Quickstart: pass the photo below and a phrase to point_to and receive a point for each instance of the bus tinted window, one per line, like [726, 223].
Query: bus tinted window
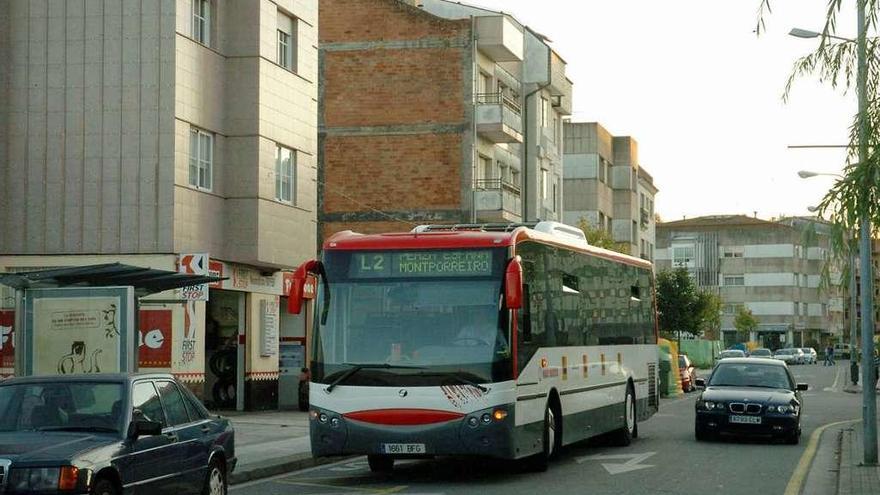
[578, 299]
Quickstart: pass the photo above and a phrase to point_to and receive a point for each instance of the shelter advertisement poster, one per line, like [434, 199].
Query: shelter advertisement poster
[78, 330]
[7, 346]
[154, 341]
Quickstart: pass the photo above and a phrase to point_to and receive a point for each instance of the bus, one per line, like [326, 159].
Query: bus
[504, 341]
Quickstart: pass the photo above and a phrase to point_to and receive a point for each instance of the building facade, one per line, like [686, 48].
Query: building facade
[605, 185]
[141, 131]
[773, 268]
[436, 112]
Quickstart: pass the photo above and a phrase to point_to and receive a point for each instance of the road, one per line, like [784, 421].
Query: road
[665, 459]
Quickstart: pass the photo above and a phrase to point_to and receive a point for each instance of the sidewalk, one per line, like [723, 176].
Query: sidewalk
[854, 478]
[269, 443]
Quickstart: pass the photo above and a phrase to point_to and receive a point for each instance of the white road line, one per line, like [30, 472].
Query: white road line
[833, 387]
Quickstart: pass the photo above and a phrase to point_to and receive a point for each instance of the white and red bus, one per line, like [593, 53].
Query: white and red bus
[487, 340]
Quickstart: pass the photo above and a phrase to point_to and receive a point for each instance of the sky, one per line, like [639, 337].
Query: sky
[702, 94]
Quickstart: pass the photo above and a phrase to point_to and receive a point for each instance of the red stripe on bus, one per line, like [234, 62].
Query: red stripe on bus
[403, 416]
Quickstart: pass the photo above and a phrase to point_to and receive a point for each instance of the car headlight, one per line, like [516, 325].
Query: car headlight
[43, 479]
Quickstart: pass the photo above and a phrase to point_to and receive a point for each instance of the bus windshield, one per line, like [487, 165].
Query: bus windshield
[439, 321]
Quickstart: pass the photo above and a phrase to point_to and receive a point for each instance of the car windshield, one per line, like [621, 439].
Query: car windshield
[428, 327]
[750, 375]
[783, 352]
[728, 354]
[761, 352]
[70, 406]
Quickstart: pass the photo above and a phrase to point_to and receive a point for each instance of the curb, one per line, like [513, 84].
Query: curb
[277, 466]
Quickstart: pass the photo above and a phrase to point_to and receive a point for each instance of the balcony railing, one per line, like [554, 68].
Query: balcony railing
[495, 184]
[498, 98]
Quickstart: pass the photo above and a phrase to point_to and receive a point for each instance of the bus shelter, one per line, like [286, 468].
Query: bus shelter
[84, 319]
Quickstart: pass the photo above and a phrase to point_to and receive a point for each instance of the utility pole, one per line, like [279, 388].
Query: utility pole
[869, 404]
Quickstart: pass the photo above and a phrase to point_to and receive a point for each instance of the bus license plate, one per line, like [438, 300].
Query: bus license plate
[746, 420]
[403, 448]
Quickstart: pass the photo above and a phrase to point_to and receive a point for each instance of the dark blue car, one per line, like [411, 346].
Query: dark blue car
[109, 435]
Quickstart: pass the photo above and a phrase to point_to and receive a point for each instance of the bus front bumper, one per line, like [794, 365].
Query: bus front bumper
[476, 433]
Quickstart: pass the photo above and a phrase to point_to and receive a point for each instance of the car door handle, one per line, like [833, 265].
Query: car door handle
[171, 436]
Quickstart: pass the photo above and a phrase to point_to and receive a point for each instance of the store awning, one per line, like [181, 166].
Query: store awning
[145, 281]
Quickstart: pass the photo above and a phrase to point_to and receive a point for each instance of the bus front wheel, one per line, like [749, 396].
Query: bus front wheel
[380, 463]
[540, 461]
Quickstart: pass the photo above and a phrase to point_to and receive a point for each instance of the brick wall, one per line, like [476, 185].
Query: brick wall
[395, 115]
[372, 20]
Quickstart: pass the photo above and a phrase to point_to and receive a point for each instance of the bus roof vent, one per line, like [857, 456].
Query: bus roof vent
[560, 229]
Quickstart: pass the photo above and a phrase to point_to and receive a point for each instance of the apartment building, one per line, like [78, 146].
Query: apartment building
[605, 185]
[772, 268]
[875, 261]
[141, 131]
[436, 112]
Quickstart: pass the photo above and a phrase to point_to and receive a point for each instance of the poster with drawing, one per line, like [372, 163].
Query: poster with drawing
[79, 331]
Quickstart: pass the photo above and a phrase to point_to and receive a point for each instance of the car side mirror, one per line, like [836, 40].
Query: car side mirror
[700, 383]
[140, 426]
[803, 387]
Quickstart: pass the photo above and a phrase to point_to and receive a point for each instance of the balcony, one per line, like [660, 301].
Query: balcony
[497, 200]
[500, 37]
[511, 156]
[644, 218]
[499, 118]
[560, 85]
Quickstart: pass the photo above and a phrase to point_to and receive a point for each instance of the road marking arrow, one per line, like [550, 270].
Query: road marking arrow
[632, 461]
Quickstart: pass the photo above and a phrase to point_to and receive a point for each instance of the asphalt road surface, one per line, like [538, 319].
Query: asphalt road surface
[665, 459]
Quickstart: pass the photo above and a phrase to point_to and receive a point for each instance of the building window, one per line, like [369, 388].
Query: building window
[732, 309]
[545, 112]
[201, 27]
[485, 171]
[285, 175]
[201, 158]
[555, 195]
[797, 308]
[286, 41]
[733, 251]
[544, 184]
[734, 280]
[682, 255]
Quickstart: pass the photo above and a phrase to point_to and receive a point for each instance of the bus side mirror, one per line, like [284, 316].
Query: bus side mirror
[513, 284]
[296, 296]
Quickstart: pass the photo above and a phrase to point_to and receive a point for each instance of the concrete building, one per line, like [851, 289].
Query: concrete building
[605, 185]
[436, 112]
[140, 131]
[875, 261]
[772, 268]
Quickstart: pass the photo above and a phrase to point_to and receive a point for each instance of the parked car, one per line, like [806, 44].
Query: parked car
[842, 351]
[750, 396]
[761, 353]
[810, 355]
[790, 355]
[107, 434]
[688, 373]
[731, 353]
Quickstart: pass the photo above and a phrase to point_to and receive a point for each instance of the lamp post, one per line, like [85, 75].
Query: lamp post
[869, 394]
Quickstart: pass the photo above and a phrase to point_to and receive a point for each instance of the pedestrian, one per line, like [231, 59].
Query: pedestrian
[829, 356]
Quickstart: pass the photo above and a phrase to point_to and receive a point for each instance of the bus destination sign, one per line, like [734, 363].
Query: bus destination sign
[398, 264]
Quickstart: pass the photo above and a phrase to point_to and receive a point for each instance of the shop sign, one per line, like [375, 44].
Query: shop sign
[310, 288]
[291, 358]
[268, 328]
[7, 339]
[154, 341]
[287, 283]
[194, 264]
[215, 269]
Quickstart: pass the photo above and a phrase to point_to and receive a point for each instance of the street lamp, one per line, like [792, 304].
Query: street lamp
[869, 394]
[807, 34]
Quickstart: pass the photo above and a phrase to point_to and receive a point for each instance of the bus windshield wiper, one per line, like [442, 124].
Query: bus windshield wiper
[357, 367]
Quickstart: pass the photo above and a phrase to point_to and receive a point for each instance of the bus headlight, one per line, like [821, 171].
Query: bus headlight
[499, 414]
[322, 417]
[487, 418]
[473, 422]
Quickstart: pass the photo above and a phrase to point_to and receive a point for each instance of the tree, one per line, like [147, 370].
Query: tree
[709, 304]
[856, 194]
[600, 237]
[681, 306]
[745, 322]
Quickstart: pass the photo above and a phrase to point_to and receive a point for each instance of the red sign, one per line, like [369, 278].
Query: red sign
[286, 283]
[154, 341]
[7, 349]
[310, 289]
[215, 269]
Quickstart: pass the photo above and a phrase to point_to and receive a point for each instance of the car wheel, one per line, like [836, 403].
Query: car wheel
[794, 437]
[624, 435]
[380, 463]
[104, 486]
[215, 481]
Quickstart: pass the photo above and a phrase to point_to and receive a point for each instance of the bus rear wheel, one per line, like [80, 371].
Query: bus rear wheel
[625, 434]
[380, 463]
